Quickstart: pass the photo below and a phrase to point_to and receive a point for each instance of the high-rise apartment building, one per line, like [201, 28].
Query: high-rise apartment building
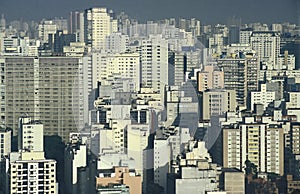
[154, 63]
[286, 61]
[48, 89]
[260, 143]
[193, 171]
[245, 35]
[76, 25]
[117, 43]
[98, 24]
[178, 61]
[240, 73]
[30, 172]
[137, 143]
[75, 157]
[267, 46]
[168, 144]
[47, 28]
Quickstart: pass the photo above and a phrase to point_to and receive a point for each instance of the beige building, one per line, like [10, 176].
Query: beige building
[120, 175]
[262, 144]
[234, 181]
[217, 102]
[210, 78]
[294, 100]
[293, 186]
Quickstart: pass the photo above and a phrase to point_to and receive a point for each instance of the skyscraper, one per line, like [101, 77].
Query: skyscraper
[267, 47]
[97, 25]
[49, 89]
[260, 143]
[154, 63]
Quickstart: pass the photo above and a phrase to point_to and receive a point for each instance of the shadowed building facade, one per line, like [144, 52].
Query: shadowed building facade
[49, 89]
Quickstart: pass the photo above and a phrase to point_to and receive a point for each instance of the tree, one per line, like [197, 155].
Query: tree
[250, 168]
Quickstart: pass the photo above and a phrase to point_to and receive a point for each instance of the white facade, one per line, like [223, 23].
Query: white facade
[30, 172]
[294, 100]
[167, 146]
[137, 143]
[117, 66]
[76, 49]
[245, 36]
[262, 97]
[45, 29]
[286, 61]
[154, 63]
[117, 43]
[75, 157]
[194, 171]
[98, 25]
[5, 142]
[267, 46]
[31, 135]
[216, 42]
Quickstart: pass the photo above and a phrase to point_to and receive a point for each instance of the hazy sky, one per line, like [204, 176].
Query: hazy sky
[208, 11]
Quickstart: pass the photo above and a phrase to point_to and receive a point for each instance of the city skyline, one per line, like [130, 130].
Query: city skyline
[214, 11]
[153, 98]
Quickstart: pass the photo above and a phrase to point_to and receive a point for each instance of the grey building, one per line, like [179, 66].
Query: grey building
[49, 89]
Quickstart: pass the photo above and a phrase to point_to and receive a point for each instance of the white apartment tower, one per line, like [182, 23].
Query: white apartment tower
[267, 46]
[30, 135]
[30, 172]
[245, 35]
[137, 142]
[117, 43]
[98, 25]
[154, 63]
